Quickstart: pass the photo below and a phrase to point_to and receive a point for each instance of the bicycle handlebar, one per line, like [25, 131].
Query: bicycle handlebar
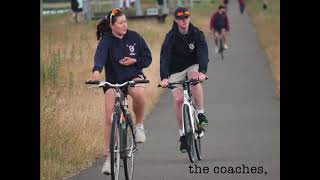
[100, 84]
[192, 82]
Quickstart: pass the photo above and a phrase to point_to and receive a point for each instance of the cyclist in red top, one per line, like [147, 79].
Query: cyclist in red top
[219, 24]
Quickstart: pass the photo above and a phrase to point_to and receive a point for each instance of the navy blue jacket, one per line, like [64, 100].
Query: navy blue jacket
[178, 51]
[111, 49]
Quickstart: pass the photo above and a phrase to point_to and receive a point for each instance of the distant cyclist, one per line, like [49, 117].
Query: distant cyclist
[219, 25]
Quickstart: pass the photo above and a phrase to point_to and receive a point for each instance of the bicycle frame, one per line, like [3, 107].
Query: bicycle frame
[121, 107]
[187, 100]
[121, 119]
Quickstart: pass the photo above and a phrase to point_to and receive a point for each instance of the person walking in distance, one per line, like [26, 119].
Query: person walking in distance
[241, 6]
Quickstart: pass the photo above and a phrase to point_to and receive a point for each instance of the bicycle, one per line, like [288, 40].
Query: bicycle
[122, 141]
[190, 122]
[220, 46]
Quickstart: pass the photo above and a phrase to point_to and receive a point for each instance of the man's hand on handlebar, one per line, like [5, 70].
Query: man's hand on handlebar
[164, 83]
[202, 76]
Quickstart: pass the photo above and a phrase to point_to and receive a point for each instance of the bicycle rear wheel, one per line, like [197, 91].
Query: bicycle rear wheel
[128, 161]
[189, 136]
[115, 148]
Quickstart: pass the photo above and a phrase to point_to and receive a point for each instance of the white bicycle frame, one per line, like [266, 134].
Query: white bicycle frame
[187, 101]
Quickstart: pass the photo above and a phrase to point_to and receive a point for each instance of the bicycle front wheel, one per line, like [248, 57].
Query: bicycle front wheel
[189, 136]
[128, 161]
[115, 148]
[221, 48]
[197, 140]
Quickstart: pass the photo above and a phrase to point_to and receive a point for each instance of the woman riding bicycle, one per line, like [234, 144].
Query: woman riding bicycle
[123, 54]
[219, 24]
[184, 52]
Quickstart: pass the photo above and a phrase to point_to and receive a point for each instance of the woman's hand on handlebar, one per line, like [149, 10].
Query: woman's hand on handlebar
[94, 77]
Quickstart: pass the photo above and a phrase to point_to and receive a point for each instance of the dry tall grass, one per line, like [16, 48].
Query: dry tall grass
[267, 24]
[71, 115]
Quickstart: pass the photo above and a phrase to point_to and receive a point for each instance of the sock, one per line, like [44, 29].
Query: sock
[139, 125]
[180, 132]
[200, 111]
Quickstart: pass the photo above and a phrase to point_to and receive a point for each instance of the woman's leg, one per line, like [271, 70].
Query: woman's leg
[138, 103]
[109, 104]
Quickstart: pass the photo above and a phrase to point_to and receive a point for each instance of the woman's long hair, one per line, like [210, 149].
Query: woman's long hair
[103, 24]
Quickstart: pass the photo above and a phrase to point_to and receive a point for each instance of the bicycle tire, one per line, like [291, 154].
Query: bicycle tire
[128, 161]
[189, 136]
[115, 148]
[221, 48]
[197, 140]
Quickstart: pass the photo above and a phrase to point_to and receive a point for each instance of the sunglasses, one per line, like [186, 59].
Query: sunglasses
[114, 12]
[180, 13]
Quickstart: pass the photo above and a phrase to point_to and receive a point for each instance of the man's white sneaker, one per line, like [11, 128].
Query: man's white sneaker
[225, 46]
[140, 135]
[106, 168]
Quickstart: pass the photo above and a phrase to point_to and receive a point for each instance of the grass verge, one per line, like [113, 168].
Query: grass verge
[267, 23]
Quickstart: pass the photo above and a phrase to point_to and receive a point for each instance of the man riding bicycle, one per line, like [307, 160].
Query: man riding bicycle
[184, 53]
[219, 24]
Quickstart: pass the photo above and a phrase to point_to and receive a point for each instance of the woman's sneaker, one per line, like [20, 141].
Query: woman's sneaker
[202, 120]
[140, 135]
[106, 168]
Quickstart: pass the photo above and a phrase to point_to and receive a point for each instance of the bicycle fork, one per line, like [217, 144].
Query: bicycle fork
[186, 101]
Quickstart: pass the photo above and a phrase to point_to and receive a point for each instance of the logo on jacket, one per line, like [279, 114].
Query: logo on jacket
[191, 46]
[131, 49]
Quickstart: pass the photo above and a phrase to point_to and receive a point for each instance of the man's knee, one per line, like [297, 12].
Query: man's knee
[216, 34]
[196, 88]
